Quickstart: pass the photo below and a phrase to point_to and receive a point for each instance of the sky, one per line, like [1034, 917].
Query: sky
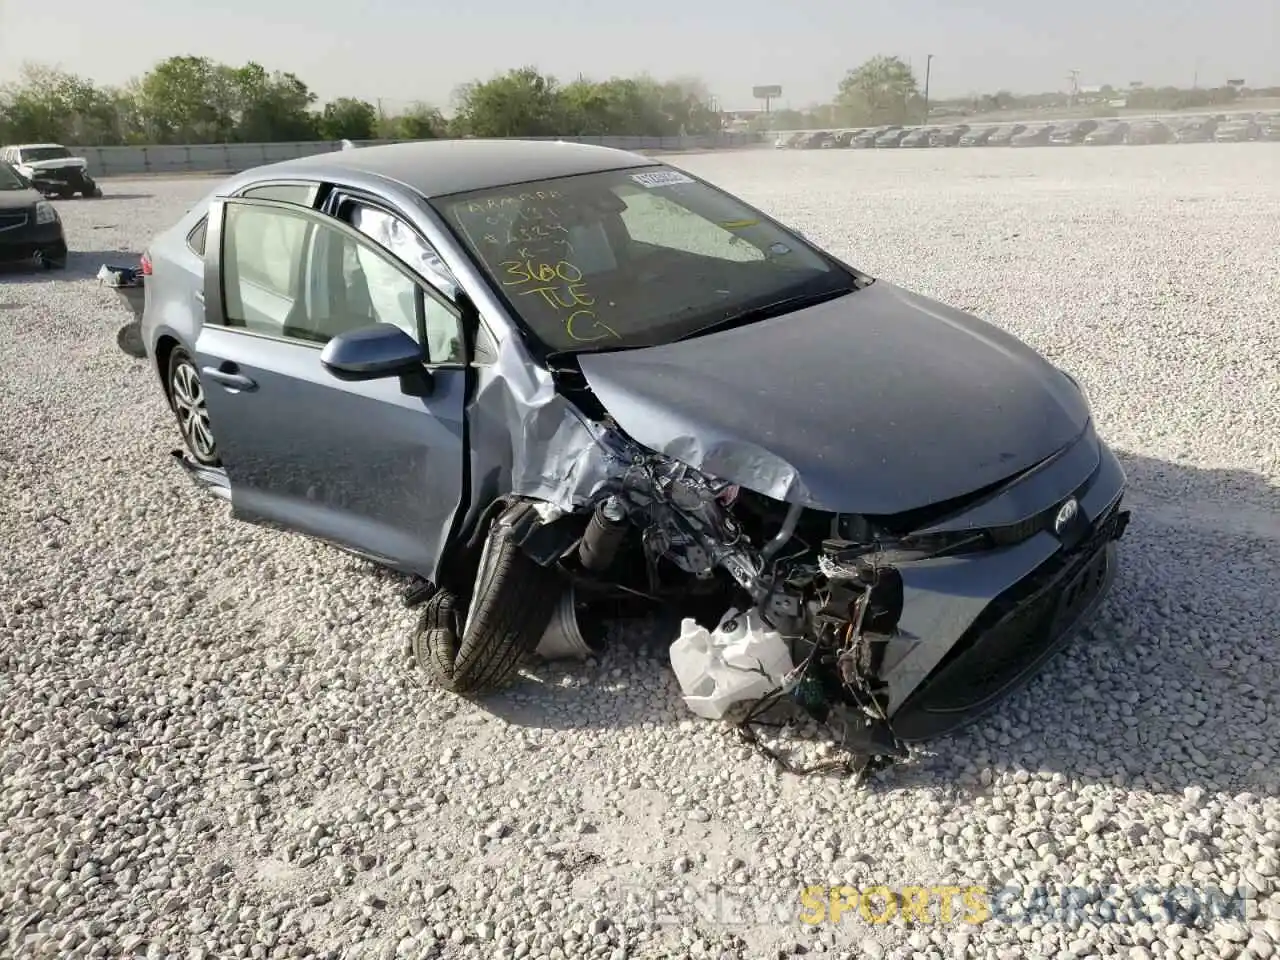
[405, 50]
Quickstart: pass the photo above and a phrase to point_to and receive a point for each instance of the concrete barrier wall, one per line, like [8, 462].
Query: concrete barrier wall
[234, 157]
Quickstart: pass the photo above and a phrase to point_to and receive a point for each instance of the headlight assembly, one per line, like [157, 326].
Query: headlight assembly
[45, 213]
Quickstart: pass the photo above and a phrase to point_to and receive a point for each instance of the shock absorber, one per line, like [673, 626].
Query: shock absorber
[603, 536]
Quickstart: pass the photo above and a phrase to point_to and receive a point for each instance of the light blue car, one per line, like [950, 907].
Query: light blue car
[526, 371]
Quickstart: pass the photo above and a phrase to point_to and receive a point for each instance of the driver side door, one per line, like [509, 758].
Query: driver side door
[370, 465]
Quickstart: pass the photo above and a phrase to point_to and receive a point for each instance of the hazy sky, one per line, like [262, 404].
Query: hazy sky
[401, 50]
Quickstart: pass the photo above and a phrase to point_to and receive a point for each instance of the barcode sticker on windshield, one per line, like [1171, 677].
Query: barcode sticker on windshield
[660, 178]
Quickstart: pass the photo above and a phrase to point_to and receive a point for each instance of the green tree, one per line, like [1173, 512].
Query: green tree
[881, 90]
[419, 122]
[271, 107]
[518, 103]
[348, 119]
[51, 104]
[189, 100]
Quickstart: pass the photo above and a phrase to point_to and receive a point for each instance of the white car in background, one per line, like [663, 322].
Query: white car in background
[52, 169]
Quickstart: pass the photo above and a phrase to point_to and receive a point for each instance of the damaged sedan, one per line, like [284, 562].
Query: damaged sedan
[545, 378]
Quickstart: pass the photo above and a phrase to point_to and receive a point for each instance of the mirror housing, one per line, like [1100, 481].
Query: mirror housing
[374, 352]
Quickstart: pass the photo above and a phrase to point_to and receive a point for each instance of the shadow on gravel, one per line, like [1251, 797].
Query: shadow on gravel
[1176, 684]
[81, 265]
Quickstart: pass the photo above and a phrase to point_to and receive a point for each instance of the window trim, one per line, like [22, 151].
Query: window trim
[314, 186]
[215, 274]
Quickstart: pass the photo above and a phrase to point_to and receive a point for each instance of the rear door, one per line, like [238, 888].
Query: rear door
[360, 464]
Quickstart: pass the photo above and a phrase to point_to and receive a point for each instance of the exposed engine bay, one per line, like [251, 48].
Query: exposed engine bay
[826, 584]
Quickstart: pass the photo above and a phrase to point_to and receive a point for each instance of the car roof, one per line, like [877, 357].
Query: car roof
[35, 146]
[437, 168]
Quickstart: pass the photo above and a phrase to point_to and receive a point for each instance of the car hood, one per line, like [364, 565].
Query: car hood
[19, 199]
[58, 163]
[876, 403]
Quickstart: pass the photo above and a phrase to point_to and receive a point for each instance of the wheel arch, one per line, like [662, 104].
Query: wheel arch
[164, 350]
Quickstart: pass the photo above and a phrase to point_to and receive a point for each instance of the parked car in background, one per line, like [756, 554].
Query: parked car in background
[845, 138]
[30, 228]
[948, 136]
[918, 137]
[1236, 131]
[892, 137]
[1198, 130]
[1269, 127]
[1003, 136]
[52, 169]
[1149, 131]
[867, 138]
[977, 137]
[1035, 136]
[345, 348]
[1109, 133]
[815, 139]
[1072, 132]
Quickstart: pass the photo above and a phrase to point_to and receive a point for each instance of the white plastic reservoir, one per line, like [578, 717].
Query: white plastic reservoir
[742, 659]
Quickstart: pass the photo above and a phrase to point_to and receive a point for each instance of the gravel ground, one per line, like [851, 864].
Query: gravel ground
[212, 746]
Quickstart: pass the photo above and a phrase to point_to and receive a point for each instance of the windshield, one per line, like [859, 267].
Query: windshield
[9, 179]
[30, 154]
[633, 257]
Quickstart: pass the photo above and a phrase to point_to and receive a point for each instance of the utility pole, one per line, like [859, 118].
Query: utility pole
[1195, 80]
[928, 63]
[1074, 77]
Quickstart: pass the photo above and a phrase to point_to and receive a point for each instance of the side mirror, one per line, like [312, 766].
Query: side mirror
[373, 353]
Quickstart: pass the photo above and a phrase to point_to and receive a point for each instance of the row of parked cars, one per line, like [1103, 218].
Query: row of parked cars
[1219, 128]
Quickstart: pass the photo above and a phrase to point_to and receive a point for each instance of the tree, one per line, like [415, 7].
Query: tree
[420, 122]
[881, 90]
[273, 106]
[51, 104]
[348, 119]
[518, 103]
[189, 100]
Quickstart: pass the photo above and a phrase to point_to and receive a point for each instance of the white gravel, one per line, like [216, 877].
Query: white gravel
[210, 744]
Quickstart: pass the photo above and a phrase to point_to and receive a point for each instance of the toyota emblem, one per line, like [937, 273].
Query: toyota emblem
[1066, 516]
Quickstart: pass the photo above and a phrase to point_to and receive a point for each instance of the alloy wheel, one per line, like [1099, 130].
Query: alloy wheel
[193, 415]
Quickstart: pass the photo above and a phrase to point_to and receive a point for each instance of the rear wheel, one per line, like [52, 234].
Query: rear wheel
[186, 397]
[65, 193]
[513, 601]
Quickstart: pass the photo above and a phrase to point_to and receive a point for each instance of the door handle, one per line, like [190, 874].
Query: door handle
[199, 295]
[233, 381]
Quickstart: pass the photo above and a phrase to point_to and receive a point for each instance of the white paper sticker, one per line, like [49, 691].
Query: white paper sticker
[661, 178]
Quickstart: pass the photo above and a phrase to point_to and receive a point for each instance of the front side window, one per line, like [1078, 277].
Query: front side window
[393, 234]
[632, 257]
[9, 179]
[288, 274]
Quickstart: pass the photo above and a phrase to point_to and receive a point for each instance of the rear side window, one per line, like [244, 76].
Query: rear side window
[195, 239]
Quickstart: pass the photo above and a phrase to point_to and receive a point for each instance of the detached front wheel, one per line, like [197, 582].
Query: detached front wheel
[186, 397]
[512, 604]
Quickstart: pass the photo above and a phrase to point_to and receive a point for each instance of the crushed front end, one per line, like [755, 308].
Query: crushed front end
[900, 629]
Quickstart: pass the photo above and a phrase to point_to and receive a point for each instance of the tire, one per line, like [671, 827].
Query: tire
[65, 194]
[186, 399]
[512, 604]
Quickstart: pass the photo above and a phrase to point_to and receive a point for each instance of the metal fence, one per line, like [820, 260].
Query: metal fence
[234, 157]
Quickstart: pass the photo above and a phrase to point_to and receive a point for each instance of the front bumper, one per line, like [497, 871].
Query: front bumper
[976, 627]
[21, 238]
[63, 179]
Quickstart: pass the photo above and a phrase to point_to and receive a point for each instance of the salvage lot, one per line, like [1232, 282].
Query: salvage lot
[211, 738]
